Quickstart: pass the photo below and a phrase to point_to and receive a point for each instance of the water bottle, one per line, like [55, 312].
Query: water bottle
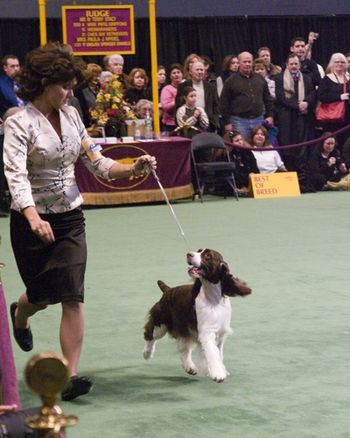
[148, 126]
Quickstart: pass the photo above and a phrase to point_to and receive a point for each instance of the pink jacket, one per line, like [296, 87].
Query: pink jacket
[167, 99]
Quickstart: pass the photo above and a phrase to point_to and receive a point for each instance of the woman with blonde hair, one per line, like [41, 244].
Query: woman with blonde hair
[189, 61]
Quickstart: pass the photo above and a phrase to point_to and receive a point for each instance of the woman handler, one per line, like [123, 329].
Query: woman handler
[42, 143]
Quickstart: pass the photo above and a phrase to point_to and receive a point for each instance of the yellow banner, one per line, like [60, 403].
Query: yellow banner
[274, 185]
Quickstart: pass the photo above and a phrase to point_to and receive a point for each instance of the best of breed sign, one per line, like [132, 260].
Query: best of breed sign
[99, 30]
[274, 185]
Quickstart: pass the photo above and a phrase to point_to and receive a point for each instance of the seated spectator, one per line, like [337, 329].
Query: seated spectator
[142, 107]
[267, 161]
[137, 87]
[243, 158]
[230, 65]
[168, 95]
[260, 69]
[325, 163]
[189, 115]
[264, 53]
[87, 92]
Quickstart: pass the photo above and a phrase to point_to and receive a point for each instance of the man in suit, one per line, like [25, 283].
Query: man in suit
[207, 96]
[294, 110]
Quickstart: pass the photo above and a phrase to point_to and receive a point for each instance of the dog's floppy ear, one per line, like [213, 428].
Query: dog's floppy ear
[232, 286]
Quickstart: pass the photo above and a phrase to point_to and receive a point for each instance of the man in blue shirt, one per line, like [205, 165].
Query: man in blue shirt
[8, 99]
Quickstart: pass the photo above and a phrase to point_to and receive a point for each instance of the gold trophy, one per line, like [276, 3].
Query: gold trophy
[47, 374]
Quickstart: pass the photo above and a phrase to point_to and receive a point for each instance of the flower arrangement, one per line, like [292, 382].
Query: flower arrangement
[111, 109]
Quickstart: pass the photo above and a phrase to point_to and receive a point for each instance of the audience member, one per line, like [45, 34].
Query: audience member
[161, 78]
[267, 161]
[260, 69]
[294, 111]
[331, 89]
[168, 95]
[207, 97]
[209, 74]
[325, 163]
[143, 107]
[115, 64]
[230, 65]
[86, 93]
[272, 70]
[190, 115]
[307, 66]
[9, 85]
[245, 101]
[137, 87]
[244, 159]
[105, 78]
[190, 59]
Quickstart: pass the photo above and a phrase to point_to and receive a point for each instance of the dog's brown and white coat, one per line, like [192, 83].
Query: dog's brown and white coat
[198, 314]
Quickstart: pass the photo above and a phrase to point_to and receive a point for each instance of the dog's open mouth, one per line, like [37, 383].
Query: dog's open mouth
[194, 271]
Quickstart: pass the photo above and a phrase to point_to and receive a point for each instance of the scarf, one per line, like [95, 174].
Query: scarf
[288, 86]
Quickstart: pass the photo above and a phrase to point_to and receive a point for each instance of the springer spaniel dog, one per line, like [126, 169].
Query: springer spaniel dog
[198, 314]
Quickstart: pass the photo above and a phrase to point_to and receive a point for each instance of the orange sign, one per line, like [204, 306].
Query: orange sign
[274, 185]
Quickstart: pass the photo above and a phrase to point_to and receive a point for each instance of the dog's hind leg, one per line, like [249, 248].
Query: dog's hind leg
[186, 347]
[151, 337]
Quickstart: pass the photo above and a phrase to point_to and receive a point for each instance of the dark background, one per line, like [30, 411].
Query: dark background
[214, 37]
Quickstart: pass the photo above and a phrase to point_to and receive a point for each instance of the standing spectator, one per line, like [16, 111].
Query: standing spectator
[115, 64]
[87, 92]
[332, 90]
[260, 69]
[189, 61]
[307, 66]
[8, 84]
[230, 65]
[272, 70]
[8, 99]
[294, 110]
[168, 95]
[245, 101]
[189, 115]
[207, 97]
[137, 87]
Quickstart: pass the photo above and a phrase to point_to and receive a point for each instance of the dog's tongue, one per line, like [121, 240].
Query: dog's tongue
[193, 270]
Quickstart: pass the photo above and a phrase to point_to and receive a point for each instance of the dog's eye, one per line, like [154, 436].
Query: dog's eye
[200, 250]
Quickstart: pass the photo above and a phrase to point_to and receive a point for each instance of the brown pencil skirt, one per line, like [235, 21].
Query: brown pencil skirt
[52, 273]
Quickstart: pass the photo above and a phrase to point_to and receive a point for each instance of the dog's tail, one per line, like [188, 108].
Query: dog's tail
[162, 286]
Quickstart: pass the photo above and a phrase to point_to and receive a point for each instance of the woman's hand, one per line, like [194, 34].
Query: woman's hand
[40, 228]
[344, 96]
[144, 164]
[343, 168]
[331, 161]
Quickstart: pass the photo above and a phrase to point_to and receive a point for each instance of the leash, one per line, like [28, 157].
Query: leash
[170, 207]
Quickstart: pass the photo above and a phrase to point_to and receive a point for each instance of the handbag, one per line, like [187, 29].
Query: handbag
[332, 112]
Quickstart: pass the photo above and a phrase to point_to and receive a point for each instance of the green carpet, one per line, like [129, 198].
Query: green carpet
[288, 357]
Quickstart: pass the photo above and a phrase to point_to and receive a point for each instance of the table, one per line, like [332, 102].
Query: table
[173, 156]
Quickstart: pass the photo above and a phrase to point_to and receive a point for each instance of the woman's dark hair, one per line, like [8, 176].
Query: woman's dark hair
[325, 136]
[47, 65]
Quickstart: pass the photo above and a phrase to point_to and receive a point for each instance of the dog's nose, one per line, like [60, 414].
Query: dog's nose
[189, 254]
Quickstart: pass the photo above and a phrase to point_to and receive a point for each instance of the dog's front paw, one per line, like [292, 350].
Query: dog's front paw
[191, 370]
[219, 376]
[148, 350]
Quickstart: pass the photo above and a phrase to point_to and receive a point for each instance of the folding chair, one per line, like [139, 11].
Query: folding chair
[211, 163]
